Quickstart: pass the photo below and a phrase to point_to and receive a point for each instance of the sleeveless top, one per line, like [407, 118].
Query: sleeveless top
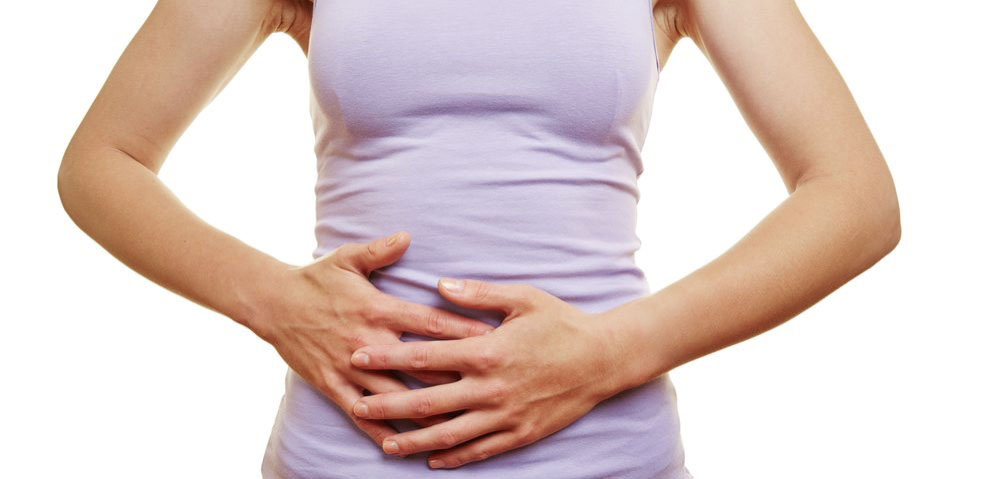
[505, 137]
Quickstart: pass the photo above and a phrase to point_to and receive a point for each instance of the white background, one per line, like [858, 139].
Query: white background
[105, 374]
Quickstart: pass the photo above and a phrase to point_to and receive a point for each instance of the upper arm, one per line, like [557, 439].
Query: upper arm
[180, 58]
[789, 91]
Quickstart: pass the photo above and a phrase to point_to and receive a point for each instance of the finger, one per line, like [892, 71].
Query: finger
[471, 293]
[344, 395]
[469, 354]
[363, 258]
[430, 420]
[418, 402]
[433, 377]
[380, 383]
[441, 436]
[376, 381]
[476, 450]
[427, 320]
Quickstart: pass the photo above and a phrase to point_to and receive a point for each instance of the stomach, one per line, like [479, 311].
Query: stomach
[635, 434]
[560, 217]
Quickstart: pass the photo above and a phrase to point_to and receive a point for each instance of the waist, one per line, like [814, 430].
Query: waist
[574, 241]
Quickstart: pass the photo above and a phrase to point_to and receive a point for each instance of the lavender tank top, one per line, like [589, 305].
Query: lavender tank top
[505, 137]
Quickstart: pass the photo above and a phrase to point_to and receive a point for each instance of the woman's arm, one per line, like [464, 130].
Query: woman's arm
[181, 57]
[315, 315]
[543, 367]
[840, 218]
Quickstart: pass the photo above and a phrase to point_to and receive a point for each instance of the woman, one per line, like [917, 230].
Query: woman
[501, 142]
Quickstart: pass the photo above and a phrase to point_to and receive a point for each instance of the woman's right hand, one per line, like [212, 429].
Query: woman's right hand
[329, 308]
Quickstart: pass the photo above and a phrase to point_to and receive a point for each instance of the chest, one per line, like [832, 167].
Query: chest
[378, 65]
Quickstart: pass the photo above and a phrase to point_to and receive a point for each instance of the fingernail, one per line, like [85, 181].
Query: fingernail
[360, 359]
[390, 446]
[453, 285]
[435, 463]
[361, 409]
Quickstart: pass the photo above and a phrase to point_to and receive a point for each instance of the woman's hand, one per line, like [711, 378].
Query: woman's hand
[329, 308]
[546, 365]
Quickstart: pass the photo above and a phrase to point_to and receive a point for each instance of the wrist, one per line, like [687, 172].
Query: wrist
[257, 296]
[630, 359]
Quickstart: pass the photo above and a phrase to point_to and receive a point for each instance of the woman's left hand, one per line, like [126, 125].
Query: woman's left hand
[546, 365]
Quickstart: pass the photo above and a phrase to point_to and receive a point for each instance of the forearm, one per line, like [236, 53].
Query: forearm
[825, 233]
[125, 207]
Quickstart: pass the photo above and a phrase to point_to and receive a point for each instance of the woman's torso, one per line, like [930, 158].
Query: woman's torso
[505, 137]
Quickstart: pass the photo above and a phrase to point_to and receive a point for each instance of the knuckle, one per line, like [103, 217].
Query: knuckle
[376, 359]
[523, 435]
[488, 358]
[420, 358]
[510, 418]
[372, 248]
[480, 290]
[525, 292]
[412, 445]
[376, 409]
[496, 392]
[329, 382]
[473, 329]
[336, 255]
[356, 341]
[329, 385]
[447, 438]
[377, 434]
[519, 412]
[373, 309]
[434, 324]
[345, 251]
[481, 454]
[422, 406]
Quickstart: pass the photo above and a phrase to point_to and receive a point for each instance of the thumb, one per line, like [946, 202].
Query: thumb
[363, 258]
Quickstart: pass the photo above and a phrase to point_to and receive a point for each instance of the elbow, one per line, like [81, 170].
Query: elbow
[892, 227]
[71, 183]
[875, 199]
[63, 182]
[871, 203]
[868, 208]
[66, 183]
[885, 222]
[75, 176]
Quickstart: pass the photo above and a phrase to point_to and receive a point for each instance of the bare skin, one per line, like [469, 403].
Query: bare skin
[313, 315]
[840, 218]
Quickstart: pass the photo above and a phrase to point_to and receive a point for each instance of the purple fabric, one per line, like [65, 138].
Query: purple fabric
[505, 137]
